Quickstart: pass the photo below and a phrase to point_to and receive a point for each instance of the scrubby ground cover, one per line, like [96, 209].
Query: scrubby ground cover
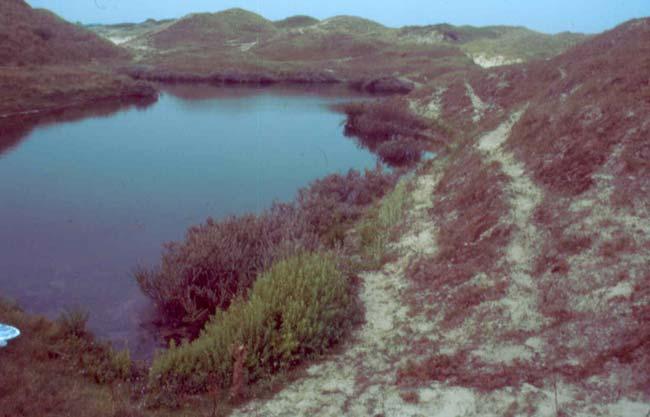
[521, 284]
[220, 260]
[392, 131]
[568, 326]
[56, 368]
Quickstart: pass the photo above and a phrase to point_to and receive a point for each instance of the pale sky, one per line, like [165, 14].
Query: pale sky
[551, 16]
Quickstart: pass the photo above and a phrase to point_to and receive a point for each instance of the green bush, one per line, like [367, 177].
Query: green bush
[219, 261]
[297, 309]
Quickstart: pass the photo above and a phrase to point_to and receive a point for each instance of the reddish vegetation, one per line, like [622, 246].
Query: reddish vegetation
[554, 219]
[36, 36]
[410, 397]
[332, 204]
[582, 105]
[392, 131]
[456, 104]
[588, 109]
[469, 203]
[587, 114]
[632, 173]
[462, 370]
[47, 64]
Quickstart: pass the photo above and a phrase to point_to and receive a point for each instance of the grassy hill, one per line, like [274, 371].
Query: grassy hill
[295, 22]
[523, 45]
[213, 30]
[32, 36]
[209, 45]
[352, 24]
[501, 44]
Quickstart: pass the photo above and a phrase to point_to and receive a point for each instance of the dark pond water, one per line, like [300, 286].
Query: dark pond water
[84, 202]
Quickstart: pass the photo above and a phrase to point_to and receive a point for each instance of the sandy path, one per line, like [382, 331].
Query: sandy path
[479, 106]
[360, 381]
[524, 196]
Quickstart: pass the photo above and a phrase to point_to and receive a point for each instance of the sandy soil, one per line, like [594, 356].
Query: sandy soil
[361, 381]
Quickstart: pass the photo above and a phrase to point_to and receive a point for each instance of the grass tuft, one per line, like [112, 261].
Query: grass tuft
[377, 227]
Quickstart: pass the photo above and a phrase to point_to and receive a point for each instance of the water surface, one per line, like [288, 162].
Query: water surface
[84, 202]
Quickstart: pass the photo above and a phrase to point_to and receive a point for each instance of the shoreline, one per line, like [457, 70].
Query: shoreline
[74, 111]
[373, 85]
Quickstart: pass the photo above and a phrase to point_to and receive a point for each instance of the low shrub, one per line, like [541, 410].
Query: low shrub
[297, 309]
[219, 261]
[395, 133]
[332, 204]
[380, 121]
[463, 370]
[400, 152]
[96, 360]
[73, 322]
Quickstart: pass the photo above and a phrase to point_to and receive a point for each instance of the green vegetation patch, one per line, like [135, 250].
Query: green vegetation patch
[296, 310]
[377, 227]
[524, 44]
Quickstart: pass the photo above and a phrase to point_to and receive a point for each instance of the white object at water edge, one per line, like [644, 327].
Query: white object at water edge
[7, 333]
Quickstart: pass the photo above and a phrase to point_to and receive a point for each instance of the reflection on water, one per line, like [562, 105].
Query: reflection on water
[193, 92]
[86, 200]
[14, 129]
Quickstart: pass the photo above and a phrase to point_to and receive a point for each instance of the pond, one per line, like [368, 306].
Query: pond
[84, 202]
